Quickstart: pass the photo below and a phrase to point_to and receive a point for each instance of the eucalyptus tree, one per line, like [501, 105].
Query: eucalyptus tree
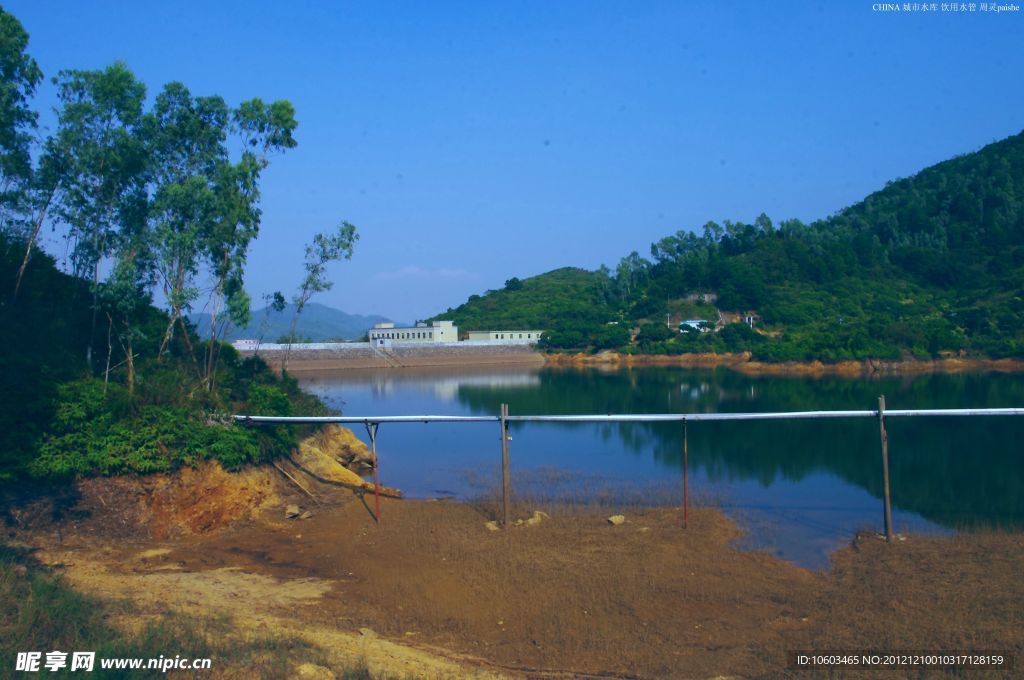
[263, 129]
[325, 248]
[187, 140]
[19, 76]
[205, 206]
[99, 142]
[46, 181]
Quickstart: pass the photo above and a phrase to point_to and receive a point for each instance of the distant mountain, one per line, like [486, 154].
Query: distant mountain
[317, 323]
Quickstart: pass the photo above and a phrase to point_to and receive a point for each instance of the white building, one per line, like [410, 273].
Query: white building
[384, 334]
[528, 337]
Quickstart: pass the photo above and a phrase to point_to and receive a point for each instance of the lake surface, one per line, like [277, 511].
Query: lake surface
[801, 489]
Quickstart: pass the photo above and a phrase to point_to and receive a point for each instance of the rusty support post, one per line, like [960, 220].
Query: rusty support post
[686, 477]
[885, 469]
[371, 428]
[506, 484]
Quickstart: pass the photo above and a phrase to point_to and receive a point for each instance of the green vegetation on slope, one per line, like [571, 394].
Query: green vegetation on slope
[569, 303]
[928, 266]
[59, 418]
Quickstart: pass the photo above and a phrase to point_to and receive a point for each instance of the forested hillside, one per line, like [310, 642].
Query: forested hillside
[580, 299]
[927, 266]
[60, 417]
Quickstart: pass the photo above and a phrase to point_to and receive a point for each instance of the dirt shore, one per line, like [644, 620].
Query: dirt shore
[432, 592]
[341, 357]
[742, 363]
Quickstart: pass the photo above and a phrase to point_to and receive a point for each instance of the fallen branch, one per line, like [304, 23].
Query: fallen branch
[296, 482]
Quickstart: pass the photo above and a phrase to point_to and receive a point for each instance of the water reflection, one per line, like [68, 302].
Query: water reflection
[807, 484]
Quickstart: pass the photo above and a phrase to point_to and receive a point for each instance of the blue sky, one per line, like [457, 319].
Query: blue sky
[475, 141]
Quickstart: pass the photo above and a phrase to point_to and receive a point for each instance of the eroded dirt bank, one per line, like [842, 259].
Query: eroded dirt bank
[432, 592]
[744, 364]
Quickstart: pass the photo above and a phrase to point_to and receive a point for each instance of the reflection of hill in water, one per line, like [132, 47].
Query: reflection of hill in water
[954, 471]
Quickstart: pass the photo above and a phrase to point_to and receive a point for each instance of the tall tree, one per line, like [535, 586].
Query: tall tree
[205, 209]
[187, 140]
[19, 76]
[264, 129]
[99, 139]
[43, 189]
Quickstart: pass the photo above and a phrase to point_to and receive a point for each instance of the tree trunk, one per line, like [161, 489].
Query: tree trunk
[31, 242]
[131, 363]
[95, 302]
[167, 336]
[215, 311]
[188, 343]
[291, 336]
[110, 349]
[169, 289]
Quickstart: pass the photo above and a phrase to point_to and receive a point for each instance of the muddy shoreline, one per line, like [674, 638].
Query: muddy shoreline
[742, 363]
[430, 591]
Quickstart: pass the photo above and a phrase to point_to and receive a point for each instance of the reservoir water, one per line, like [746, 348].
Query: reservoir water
[800, 489]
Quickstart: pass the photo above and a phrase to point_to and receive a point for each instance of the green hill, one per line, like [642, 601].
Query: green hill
[316, 323]
[927, 266]
[567, 298]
